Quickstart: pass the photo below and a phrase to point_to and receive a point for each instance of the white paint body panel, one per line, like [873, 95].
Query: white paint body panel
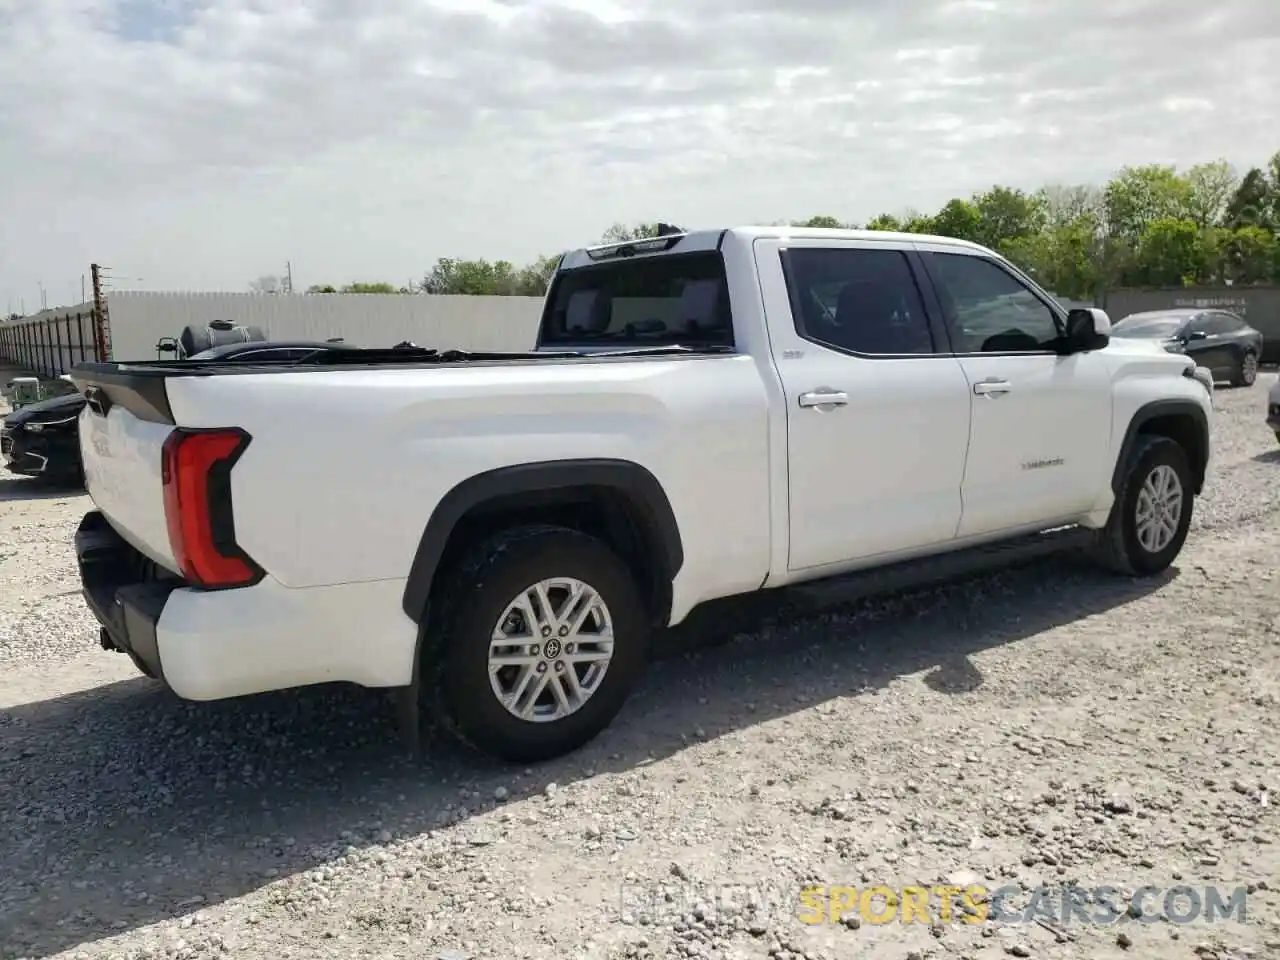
[121, 457]
[346, 466]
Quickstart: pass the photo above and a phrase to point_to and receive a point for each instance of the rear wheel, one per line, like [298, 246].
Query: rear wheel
[1152, 512]
[544, 637]
[1247, 372]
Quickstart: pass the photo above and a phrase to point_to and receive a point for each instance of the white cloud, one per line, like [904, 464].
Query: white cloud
[199, 143]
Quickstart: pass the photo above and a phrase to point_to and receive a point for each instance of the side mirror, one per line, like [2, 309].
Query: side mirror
[1196, 335]
[1088, 328]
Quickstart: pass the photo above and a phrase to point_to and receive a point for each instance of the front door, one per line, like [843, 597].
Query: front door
[1040, 434]
[877, 414]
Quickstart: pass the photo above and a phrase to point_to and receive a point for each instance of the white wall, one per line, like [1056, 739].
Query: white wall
[139, 319]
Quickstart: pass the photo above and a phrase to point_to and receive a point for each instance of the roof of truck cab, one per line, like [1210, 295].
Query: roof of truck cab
[832, 233]
[706, 240]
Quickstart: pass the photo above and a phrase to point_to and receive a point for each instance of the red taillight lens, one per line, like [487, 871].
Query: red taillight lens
[196, 472]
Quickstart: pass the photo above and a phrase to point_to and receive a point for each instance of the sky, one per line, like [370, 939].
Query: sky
[200, 144]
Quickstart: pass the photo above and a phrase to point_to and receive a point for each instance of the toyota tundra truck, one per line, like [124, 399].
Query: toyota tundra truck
[704, 414]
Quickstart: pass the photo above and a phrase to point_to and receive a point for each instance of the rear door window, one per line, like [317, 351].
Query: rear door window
[858, 301]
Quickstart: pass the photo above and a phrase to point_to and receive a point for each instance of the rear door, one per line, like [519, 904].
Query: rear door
[877, 412]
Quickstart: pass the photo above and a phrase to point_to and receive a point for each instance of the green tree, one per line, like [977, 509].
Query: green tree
[957, 218]
[823, 221]
[1006, 214]
[373, 288]
[886, 222]
[1250, 254]
[1172, 252]
[1253, 203]
[480, 278]
[1063, 258]
[1139, 196]
[1210, 187]
[1066, 204]
[322, 288]
[620, 232]
[913, 221]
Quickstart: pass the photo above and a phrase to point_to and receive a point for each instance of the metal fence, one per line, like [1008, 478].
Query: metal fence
[50, 343]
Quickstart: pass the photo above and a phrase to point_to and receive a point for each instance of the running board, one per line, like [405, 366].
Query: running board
[940, 568]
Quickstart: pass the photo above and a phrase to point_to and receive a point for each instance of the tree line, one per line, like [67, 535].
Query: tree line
[1149, 226]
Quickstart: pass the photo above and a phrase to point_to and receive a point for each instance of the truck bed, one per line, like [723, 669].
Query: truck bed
[361, 451]
[139, 386]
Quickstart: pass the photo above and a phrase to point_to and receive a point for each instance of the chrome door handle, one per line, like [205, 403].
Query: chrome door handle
[991, 388]
[824, 398]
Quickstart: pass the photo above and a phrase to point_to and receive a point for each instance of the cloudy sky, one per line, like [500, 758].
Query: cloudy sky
[198, 144]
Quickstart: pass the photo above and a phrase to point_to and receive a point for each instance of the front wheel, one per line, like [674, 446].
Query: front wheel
[544, 637]
[1152, 512]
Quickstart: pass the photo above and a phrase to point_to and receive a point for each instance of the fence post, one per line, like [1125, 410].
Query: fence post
[80, 335]
[101, 317]
[57, 330]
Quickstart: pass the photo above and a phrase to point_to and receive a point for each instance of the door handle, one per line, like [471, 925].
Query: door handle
[991, 388]
[824, 397]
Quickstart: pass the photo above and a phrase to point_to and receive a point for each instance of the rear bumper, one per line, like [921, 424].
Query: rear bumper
[122, 591]
[210, 645]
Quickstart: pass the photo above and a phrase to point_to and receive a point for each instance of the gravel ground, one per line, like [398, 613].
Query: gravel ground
[1044, 726]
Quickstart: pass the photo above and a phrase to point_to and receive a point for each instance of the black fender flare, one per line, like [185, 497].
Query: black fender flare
[1165, 408]
[553, 478]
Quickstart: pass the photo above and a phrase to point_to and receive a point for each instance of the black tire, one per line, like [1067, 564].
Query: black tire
[483, 584]
[1117, 545]
[1246, 370]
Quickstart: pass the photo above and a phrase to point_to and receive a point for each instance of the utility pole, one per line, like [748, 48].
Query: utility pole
[288, 276]
[82, 297]
[101, 319]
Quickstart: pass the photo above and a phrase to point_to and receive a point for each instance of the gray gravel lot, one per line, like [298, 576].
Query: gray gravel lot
[1048, 725]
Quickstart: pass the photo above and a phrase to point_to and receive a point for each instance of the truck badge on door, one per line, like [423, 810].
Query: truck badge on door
[1041, 464]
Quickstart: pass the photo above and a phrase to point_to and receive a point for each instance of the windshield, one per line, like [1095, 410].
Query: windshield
[672, 298]
[1153, 328]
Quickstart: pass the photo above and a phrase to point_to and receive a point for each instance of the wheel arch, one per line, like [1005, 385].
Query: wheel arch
[1183, 421]
[619, 501]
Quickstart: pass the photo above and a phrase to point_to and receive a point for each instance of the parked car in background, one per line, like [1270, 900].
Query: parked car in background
[1215, 339]
[43, 439]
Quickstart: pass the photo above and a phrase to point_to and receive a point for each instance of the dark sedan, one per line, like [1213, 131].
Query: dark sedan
[1215, 339]
[43, 439]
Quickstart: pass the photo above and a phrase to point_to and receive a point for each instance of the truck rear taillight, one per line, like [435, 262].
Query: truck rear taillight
[196, 472]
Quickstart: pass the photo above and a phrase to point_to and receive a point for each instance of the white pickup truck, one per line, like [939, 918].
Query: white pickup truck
[705, 414]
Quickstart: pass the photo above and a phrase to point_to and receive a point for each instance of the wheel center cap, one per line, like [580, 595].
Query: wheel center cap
[551, 650]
